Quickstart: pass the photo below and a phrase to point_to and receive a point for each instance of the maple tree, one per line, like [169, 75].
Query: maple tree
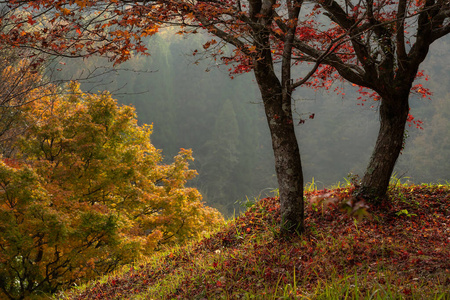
[381, 46]
[116, 28]
[377, 45]
[364, 41]
[86, 192]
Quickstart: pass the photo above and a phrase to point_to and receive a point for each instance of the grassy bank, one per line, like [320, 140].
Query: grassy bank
[397, 250]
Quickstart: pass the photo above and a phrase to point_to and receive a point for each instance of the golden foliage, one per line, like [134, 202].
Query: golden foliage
[90, 193]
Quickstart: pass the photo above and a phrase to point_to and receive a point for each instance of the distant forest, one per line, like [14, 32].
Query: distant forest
[193, 103]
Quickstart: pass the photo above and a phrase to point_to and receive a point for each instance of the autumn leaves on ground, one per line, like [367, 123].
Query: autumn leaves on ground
[397, 250]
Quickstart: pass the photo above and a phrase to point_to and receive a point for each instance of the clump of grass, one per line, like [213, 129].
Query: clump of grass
[383, 255]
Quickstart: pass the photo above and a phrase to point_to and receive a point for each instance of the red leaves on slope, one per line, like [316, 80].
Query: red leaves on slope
[413, 248]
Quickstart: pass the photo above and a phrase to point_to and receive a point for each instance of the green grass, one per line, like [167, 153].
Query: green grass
[397, 250]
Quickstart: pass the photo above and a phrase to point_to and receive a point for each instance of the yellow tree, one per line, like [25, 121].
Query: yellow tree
[87, 192]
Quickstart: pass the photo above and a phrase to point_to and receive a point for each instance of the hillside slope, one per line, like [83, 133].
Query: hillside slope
[398, 250]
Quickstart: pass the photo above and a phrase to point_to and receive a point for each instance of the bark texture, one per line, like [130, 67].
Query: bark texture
[288, 165]
[393, 116]
[277, 98]
[289, 174]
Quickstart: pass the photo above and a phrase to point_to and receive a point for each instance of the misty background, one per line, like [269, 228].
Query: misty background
[195, 104]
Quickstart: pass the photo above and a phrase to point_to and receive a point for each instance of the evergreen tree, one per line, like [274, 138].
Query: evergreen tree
[222, 158]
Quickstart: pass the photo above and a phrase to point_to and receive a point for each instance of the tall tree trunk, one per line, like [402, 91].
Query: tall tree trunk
[288, 169]
[288, 164]
[277, 100]
[393, 116]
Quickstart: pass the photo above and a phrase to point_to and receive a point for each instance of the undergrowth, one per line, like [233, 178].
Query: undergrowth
[396, 250]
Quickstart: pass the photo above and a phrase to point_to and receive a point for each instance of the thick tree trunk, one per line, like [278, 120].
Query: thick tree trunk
[289, 171]
[277, 100]
[288, 165]
[393, 116]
